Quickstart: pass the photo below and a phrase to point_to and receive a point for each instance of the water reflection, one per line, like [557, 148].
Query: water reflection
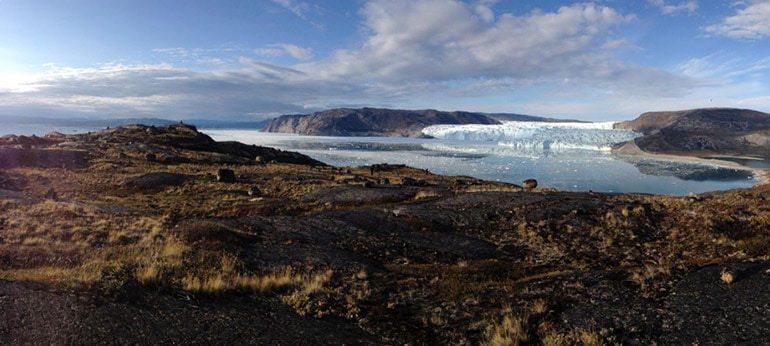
[687, 171]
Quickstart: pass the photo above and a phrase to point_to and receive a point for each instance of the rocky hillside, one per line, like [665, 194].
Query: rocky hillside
[160, 236]
[371, 122]
[703, 132]
[172, 144]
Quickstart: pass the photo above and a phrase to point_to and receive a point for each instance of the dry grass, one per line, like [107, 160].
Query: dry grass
[650, 278]
[511, 330]
[69, 278]
[581, 336]
[73, 245]
[514, 328]
[229, 280]
[458, 282]
[490, 187]
[427, 194]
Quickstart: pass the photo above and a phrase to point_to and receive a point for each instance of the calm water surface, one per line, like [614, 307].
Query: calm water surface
[577, 170]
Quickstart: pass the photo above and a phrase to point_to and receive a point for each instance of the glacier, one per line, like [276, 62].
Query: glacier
[537, 135]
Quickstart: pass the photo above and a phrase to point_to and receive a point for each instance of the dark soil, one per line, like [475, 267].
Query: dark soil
[36, 316]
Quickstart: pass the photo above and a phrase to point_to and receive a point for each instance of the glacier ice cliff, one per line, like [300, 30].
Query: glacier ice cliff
[537, 135]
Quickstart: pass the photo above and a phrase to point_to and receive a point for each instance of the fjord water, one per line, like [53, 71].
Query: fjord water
[560, 157]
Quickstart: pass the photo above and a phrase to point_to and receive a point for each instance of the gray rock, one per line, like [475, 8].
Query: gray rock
[356, 195]
[413, 182]
[530, 184]
[225, 175]
[408, 181]
[154, 180]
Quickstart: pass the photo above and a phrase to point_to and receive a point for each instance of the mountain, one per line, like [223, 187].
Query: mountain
[524, 117]
[371, 122]
[703, 132]
[227, 124]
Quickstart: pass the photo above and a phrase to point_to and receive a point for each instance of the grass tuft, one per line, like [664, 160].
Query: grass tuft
[512, 330]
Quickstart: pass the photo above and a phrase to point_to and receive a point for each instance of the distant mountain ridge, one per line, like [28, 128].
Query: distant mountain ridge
[104, 123]
[703, 132]
[381, 122]
[91, 122]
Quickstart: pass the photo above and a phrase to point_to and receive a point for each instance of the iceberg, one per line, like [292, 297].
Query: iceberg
[537, 135]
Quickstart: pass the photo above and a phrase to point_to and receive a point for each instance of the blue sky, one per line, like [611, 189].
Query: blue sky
[255, 59]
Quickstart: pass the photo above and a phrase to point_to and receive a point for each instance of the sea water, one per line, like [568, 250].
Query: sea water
[566, 167]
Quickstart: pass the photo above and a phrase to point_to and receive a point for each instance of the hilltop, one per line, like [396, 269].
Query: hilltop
[703, 132]
[160, 235]
[381, 122]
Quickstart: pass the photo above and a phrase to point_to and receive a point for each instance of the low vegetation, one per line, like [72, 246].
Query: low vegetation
[455, 261]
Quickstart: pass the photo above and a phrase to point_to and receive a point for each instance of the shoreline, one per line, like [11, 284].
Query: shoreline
[761, 176]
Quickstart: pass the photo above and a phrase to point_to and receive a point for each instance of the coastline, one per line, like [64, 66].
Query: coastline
[761, 176]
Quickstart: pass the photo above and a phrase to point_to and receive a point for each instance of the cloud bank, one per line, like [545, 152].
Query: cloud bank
[751, 22]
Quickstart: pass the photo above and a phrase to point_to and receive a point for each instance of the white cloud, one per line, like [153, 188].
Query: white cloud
[298, 8]
[163, 90]
[199, 56]
[483, 9]
[279, 50]
[210, 61]
[298, 52]
[683, 6]
[270, 52]
[751, 22]
[178, 51]
[444, 40]
[441, 39]
[724, 68]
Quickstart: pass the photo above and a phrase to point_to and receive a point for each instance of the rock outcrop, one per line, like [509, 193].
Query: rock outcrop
[153, 180]
[172, 144]
[703, 132]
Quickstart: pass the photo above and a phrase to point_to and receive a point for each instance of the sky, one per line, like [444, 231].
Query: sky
[256, 59]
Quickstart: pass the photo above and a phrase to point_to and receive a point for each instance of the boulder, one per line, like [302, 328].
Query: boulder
[530, 184]
[154, 180]
[254, 191]
[225, 175]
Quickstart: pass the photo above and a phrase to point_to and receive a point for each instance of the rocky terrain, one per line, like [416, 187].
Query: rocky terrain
[160, 235]
[703, 132]
[371, 122]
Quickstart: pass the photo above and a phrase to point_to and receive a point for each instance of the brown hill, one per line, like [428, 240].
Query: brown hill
[703, 132]
[371, 122]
